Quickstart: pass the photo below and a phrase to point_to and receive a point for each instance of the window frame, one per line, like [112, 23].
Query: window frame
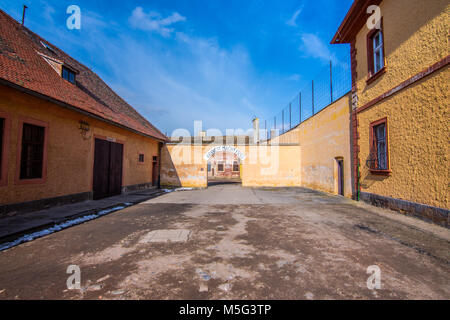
[372, 75]
[223, 167]
[373, 147]
[235, 163]
[5, 148]
[69, 72]
[39, 123]
[143, 158]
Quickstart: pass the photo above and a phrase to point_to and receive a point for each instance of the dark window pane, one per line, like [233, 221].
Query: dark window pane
[32, 155]
[141, 158]
[235, 167]
[220, 167]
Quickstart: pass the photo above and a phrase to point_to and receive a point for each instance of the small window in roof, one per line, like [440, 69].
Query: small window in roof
[68, 74]
[48, 47]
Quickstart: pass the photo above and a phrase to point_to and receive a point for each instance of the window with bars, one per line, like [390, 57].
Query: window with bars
[379, 157]
[235, 166]
[32, 155]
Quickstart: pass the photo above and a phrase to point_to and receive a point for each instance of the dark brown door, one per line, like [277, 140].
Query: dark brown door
[108, 161]
[155, 172]
[341, 177]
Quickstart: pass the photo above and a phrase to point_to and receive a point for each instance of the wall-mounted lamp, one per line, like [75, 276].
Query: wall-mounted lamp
[84, 128]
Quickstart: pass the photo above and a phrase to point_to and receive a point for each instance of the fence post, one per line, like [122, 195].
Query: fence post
[312, 97]
[300, 99]
[265, 128]
[331, 80]
[290, 116]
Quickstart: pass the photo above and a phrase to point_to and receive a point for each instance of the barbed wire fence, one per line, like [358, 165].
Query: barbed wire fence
[332, 83]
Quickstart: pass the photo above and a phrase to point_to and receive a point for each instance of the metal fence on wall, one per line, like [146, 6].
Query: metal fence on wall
[331, 84]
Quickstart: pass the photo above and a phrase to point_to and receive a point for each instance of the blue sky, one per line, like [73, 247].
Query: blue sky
[222, 62]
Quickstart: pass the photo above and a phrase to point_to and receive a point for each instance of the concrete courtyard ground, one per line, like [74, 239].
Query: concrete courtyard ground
[242, 243]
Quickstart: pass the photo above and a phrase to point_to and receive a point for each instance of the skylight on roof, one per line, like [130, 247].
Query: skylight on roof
[48, 47]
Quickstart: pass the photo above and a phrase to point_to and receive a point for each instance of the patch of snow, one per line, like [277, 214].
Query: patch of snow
[58, 227]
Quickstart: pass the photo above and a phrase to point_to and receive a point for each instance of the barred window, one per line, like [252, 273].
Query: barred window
[235, 167]
[220, 167]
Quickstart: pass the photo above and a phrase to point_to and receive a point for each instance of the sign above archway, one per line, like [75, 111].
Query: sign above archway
[230, 149]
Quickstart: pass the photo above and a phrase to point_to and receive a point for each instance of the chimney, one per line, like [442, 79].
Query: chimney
[256, 130]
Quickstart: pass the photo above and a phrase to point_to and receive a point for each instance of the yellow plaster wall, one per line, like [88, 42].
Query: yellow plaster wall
[272, 166]
[415, 37]
[183, 166]
[264, 166]
[324, 138]
[418, 123]
[70, 157]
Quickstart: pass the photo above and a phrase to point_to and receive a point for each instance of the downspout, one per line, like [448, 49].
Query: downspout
[160, 145]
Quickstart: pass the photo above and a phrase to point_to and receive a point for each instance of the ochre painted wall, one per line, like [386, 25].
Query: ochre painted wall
[418, 141]
[272, 166]
[415, 37]
[323, 139]
[70, 156]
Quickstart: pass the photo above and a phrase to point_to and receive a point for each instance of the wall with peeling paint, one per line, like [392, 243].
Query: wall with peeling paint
[184, 165]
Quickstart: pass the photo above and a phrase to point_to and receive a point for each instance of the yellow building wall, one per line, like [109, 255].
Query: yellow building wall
[264, 166]
[70, 156]
[183, 166]
[325, 138]
[418, 141]
[415, 37]
[272, 166]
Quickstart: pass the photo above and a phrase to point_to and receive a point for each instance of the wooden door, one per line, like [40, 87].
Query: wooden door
[108, 163]
[155, 172]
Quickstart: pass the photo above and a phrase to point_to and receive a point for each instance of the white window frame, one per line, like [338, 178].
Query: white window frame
[378, 49]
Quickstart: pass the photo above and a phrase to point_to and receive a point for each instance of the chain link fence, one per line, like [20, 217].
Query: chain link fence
[331, 84]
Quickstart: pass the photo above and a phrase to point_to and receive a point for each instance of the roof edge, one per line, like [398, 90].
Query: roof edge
[353, 22]
[71, 107]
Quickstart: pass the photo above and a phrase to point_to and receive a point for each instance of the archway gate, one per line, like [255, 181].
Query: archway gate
[186, 165]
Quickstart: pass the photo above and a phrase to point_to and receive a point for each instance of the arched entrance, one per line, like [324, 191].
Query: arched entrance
[224, 165]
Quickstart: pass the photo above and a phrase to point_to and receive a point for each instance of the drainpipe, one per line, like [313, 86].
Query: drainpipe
[160, 145]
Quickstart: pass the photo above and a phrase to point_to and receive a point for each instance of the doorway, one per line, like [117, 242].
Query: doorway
[340, 167]
[108, 167]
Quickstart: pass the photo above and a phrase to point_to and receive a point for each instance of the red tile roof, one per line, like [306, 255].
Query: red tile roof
[22, 66]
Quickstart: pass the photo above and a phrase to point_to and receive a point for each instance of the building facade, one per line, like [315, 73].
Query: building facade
[400, 104]
[65, 136]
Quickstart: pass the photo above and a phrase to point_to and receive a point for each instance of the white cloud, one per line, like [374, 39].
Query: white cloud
[313, 46]
[153, 21]
[293, 20]
[294, 77]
